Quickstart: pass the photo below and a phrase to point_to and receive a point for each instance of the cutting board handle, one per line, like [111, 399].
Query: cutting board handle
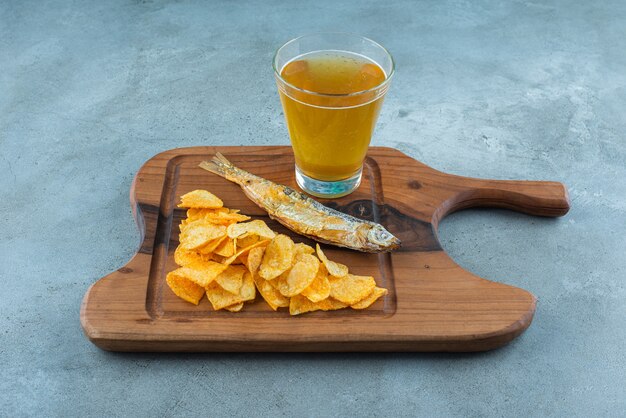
[540, 198]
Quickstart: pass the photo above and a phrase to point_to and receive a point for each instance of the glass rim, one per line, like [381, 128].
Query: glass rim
[356, 93]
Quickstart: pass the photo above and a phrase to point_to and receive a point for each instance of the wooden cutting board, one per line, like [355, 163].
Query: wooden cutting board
[432, 305]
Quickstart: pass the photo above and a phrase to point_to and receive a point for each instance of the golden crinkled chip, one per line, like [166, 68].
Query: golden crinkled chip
[335, 269]
[226, 248]
[256, 227]
[198, 233]
[216, 258]
[193, 214]
[201, 272]
[351, 289]
[242, 259]
[319, 289]
[301, 248]
[231, 217]
[211, 246]
[274, 282]
[236, 262]
[246, 241]
[231, 279]
[255, 256]
[371, 298]
[280, 282]
[299, 257]
[235, 308]
[220, 216]
[221, 298]
[330, 304]
[184, 257]
[196, 213]
[270, 294]
[184, 288]
[235, 258]
[248, 289]
[300, 304]
[300, 276]
[200, 199]
[277, 257]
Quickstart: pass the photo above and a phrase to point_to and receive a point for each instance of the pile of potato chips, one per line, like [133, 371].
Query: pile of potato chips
[225, 255]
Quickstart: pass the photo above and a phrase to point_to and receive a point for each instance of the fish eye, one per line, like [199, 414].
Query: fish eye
[380, 230]
[379, 234]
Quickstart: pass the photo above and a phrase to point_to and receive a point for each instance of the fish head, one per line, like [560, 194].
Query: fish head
[382, 239]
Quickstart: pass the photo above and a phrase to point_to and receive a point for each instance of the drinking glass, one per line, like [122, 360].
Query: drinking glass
[330, 125]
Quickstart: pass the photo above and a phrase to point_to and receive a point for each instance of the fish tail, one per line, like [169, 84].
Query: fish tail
[222, 167]
[221, 160]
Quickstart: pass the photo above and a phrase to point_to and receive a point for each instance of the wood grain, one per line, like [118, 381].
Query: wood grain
[432, 305]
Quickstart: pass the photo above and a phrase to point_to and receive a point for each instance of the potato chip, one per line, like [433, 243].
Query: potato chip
[242, 259]
[300, 304]
[235, 308]
[248, 289]
[255, 256]
[351, 289]
[198, 233]
[246, 241]
[280, 282]
[299, 257]
[200, 199]
[335, 269]
[226, 248]
[256, 227]
[200, 212]
[234, 259]
[215, 257]
[319, 289]
[184, 288]
[274, 282]
[210, 246]
[220, 216]
[300, 276]
[330, 304]
[201, 272]
[301, 248]
[231, 217]
[231, 279]
[221, 298]
[371, 298]
[270, 294]
[193, 214]
[184, 257]
[277, 257]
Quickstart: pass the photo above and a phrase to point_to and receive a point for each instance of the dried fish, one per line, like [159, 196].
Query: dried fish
[304, 215]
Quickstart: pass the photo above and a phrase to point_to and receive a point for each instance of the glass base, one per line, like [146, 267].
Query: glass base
[328, 189]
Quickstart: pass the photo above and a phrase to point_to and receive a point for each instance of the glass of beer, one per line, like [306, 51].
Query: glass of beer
[332, 87]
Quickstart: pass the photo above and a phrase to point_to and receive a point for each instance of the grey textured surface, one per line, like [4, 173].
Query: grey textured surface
[528, 90]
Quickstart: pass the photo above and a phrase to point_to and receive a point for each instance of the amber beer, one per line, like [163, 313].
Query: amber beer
[331, 133]
[331, 99]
